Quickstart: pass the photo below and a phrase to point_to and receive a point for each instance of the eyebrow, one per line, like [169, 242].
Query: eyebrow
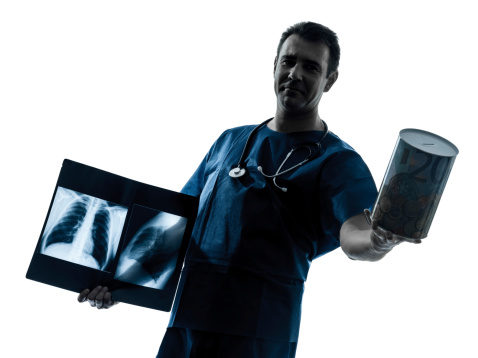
[310, 62]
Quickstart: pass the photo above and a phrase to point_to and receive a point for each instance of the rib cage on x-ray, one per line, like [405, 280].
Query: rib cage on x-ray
[66, 229]
[150, 258]
[82, 229]
[147, 250]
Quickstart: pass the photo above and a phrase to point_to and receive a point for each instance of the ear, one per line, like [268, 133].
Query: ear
[275, 65]
[331, 80]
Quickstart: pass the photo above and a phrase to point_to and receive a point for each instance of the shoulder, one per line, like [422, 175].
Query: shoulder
[236, 131]
[335, 144]
[228, 139]
[232, 135]
[340, 154]
[335, 148]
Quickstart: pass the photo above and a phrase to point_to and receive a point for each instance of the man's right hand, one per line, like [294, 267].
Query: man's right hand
[99, 297]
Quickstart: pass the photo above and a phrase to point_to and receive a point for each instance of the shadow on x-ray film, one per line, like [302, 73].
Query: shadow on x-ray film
[151, 247]
[83, 229]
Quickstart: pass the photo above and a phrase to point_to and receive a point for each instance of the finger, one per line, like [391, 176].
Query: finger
[371, 220]
[99, 299]
[112, 303]
[385, 238]
[108, 302]
[368, 216]
[407, 239]
[388, 235]
[93, 294]
[374, 224]
[83, 294]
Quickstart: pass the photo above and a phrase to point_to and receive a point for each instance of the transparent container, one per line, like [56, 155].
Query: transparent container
[414, 183]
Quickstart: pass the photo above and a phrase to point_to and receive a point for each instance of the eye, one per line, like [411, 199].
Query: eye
[288, 63]
[312, 68]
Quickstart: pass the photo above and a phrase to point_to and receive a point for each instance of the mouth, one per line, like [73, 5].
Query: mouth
[293, 92]
[292, 88]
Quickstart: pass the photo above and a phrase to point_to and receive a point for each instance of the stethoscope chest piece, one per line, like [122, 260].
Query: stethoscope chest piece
[237, 172]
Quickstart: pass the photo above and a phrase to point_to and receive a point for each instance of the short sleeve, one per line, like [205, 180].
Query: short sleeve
[195, 184]
[353, 189]
[347, 188]
[213, 159]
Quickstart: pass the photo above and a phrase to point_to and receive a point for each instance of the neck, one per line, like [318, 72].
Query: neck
[296, 122]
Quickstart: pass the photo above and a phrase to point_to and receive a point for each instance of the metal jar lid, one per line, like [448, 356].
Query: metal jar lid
[428, 142]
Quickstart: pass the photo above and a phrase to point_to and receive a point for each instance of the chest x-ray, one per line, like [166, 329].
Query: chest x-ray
[83, 229]
[153, 240]
[116, 232]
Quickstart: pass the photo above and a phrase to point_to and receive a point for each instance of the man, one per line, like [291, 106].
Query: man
[272, 198]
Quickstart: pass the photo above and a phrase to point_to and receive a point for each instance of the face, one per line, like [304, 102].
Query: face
[300, 74]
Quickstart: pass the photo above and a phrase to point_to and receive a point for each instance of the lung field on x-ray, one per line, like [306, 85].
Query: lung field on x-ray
[151, 248]
[83, 229]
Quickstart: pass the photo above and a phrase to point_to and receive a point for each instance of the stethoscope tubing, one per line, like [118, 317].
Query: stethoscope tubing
[239, 171]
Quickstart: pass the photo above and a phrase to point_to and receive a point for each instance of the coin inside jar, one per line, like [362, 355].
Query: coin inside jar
[389, 224]
[385, 204]
[411, 208]
[410, 227]
[423, 200]
[395, 212]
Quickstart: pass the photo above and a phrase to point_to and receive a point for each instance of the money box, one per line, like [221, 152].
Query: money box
[414, 183]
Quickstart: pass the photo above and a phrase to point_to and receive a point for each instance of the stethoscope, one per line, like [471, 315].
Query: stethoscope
[238, 171]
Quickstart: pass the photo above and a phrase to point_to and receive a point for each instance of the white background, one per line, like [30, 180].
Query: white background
[142, 89]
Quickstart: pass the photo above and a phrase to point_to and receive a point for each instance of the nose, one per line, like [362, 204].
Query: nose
[295, 73]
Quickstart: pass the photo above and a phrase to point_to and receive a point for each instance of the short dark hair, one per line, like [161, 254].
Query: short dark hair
[314, 32]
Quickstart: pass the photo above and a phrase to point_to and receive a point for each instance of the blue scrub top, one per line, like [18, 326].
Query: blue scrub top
[252, 244]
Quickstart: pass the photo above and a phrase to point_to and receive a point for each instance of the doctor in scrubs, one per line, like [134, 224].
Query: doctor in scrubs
[273, 197]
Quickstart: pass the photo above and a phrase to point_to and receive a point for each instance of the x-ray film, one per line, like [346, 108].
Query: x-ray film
[103, 229]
